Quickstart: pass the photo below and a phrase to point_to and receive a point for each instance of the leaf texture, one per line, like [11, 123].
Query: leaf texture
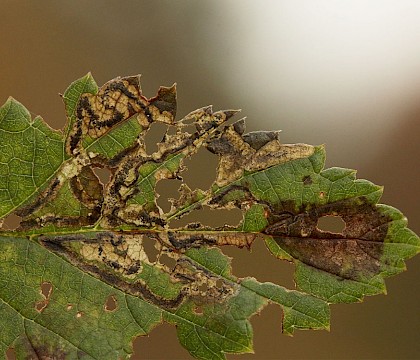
[81, 243]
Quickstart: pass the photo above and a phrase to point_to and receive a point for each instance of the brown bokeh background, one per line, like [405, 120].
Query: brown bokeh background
[346, 74]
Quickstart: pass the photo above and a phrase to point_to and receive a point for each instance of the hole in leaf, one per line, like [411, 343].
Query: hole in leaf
[69, 307]
[11, 222]
[203, 287]
[151, 346]
[46, 289]
[41, 305]
[189, 127]
[110, 303]
[79, 314]
[168, 261]
[171, 130]
[269, 318]
[167, 189]
[208, 217]
[270, 269]
[219, 283]
[104, 174]
[10, 354]
[201, 169]
[333, 224]
[150, 249]
[198, 310]
[154, 135]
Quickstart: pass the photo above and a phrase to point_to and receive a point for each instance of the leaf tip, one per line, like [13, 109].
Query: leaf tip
[12, 100]
[321, 147]
[232, 112]
[208, 109]
[227, 113]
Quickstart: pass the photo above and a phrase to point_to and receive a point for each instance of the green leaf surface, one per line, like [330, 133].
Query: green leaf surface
[72, 317]
[92, 266]
[30, 154]
[72, 95]
[116, 141]
[74, 321]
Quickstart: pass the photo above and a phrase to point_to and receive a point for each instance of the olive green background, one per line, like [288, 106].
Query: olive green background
[346, 74]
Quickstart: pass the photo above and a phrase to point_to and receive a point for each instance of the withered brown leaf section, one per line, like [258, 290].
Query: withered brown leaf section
[182, 143]
[182, 240]
[115, 102]
[353, 254]
[87, 188]
[35, 348]
[254, 151]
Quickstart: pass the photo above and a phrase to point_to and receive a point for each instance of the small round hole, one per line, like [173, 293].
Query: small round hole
[332, 224]
[149, 248]
[154, 135]
[168, 261]
[198, 310]
[46, 289]
[11, 222]
[104, 174]
[110, 303]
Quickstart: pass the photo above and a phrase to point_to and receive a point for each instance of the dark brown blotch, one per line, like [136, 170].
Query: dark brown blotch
[87, 188]
[257, 139]
[307, 180]
[220, 146]
[354, 253]
[165, 100]
[35, 347]
[239, 126]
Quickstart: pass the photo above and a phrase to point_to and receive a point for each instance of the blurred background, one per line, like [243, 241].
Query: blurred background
[343, 73]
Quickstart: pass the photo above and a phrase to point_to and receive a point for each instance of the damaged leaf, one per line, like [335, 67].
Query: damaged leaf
[92, 265]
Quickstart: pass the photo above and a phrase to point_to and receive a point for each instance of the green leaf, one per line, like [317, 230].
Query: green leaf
[71, 320]
[75, 310]
[92, 266]
[30, 154]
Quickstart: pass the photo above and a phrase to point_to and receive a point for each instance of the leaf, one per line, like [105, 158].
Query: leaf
[31, 153]
[74, 322]
[82, 244]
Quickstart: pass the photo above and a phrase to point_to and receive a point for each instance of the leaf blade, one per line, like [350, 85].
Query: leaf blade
[30, 155]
